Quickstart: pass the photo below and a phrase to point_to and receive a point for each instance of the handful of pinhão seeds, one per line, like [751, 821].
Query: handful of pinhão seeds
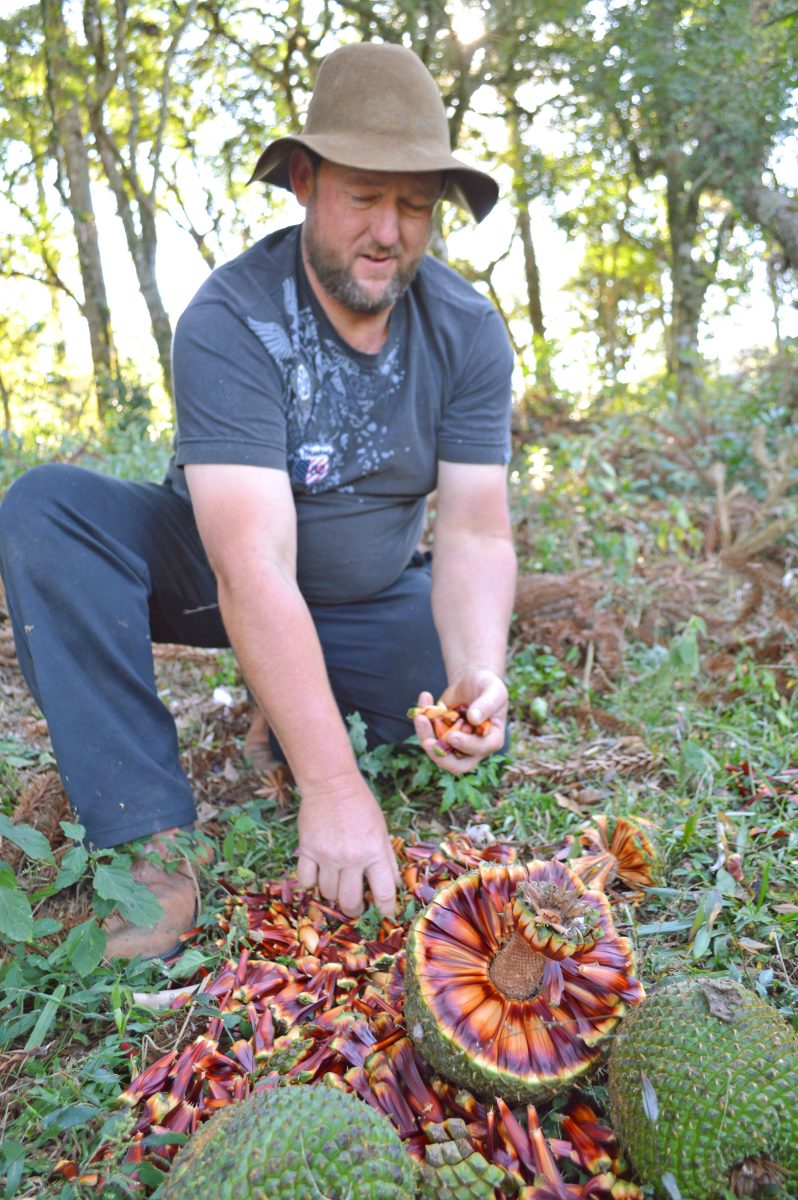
[445, 721]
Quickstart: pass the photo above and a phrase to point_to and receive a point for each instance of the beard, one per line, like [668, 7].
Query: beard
[335, 276]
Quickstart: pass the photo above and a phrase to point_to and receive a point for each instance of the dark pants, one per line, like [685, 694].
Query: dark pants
[95, 570]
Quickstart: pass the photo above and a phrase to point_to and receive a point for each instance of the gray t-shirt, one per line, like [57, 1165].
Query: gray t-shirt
[262, 378]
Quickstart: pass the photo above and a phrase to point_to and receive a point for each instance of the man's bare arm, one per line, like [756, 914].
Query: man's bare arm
[247, 522]
[473, 587]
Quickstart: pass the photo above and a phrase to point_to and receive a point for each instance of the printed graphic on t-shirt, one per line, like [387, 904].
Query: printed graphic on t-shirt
[336, 434]
[311, 464]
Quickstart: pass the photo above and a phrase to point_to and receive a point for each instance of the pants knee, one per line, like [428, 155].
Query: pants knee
[26, 512]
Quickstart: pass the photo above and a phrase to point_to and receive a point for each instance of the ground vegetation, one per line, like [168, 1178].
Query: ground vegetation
[652, 671]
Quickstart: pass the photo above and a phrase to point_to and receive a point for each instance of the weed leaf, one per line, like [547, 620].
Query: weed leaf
[44, 926]
[72, 1114]
[73, 864]
[149, 1175]
[697, 760]
[701, 942]
[135, 902]
[74, 832]
[708, 911]
[188, 964]
[16, 916]
[46, 1019]
[169, 1138]
[14, 1160]
[674, 926]
[34, 843]
[85, 946]
[357, 732]
[727, 884]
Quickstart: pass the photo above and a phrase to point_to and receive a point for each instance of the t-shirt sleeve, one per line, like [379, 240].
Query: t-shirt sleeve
[475, 427]
[228, 392]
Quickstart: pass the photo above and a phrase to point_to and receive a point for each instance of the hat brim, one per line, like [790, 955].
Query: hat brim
[465, 186]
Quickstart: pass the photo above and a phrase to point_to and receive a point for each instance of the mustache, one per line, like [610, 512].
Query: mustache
[375, 250]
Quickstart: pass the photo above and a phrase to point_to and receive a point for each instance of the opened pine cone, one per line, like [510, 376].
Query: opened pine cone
[514, 977]
[627, 854]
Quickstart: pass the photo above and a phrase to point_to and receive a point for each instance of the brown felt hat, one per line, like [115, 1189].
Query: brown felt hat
[375, 106]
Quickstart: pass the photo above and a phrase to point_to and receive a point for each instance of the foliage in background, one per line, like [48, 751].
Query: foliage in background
[671, 119]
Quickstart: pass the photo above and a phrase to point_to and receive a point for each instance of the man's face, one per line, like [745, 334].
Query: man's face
[366, 232]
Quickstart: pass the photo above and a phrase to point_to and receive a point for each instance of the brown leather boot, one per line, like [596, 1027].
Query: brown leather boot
[178, 894]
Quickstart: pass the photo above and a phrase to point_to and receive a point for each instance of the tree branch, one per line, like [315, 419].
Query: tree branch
[158, 140]
[50, 281]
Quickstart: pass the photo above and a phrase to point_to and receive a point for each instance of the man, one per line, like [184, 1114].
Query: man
[326, 382]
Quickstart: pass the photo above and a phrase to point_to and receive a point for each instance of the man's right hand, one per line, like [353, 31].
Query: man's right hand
[247, 521]
[343, 839]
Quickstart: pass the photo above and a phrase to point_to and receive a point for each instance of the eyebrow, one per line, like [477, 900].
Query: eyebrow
[376, 179]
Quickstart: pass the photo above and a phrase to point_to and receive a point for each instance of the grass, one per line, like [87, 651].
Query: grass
[713, 782]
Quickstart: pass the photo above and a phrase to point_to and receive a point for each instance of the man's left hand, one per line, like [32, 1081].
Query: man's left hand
[485, 693]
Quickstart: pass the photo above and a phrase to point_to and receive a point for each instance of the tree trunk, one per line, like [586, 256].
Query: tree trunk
[691, 275]
[775, 211]
[62, 88]
[535, 304]
[689, 283]
[136, 202]
[531, 274]
[521, 199]
[142, 243]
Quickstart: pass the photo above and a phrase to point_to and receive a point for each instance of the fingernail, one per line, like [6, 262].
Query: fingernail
[475, 715]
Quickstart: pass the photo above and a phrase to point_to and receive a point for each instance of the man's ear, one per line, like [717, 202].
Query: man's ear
[301, 175]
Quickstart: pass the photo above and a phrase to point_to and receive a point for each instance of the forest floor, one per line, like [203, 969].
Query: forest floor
[652, 673]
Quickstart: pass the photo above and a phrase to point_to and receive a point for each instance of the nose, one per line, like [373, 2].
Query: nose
[385, 223]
